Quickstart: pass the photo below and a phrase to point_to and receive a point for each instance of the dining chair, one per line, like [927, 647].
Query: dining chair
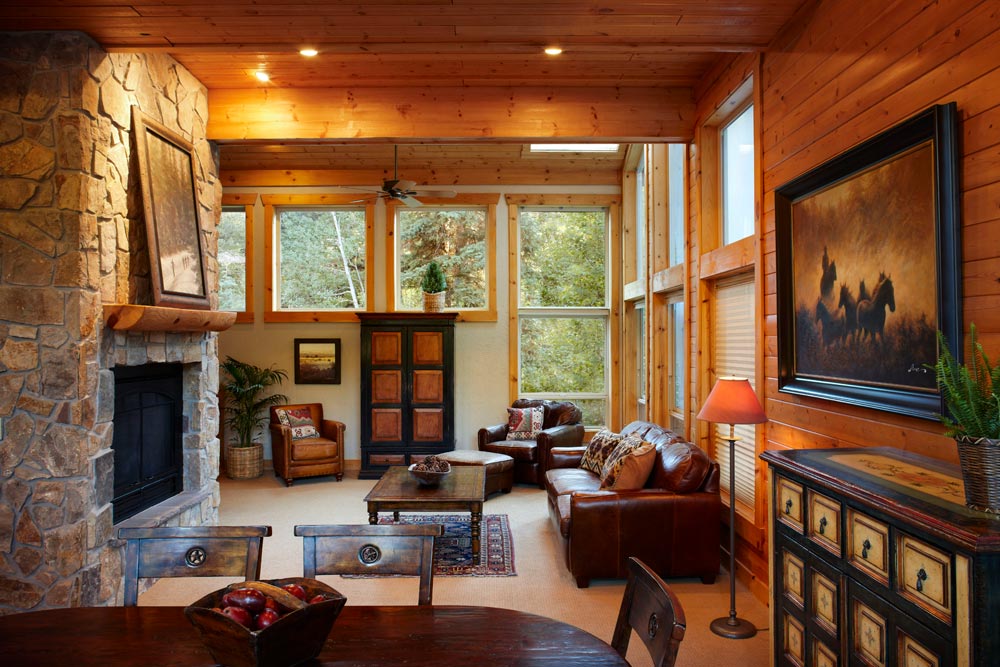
[372, 549]
[651, 609]
[190, 551]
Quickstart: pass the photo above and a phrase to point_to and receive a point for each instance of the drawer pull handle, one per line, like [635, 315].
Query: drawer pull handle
[865, 546]
[788, 506]
[921, 578]
[822, 525]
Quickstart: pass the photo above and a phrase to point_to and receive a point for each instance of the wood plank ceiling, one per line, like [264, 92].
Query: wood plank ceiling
[426, 70]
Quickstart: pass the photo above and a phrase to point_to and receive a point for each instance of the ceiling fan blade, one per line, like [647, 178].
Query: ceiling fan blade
[443, 194]
[402, 184]
[410, 201]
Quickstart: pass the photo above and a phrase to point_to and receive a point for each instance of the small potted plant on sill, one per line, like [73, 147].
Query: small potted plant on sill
[971, 394]
[246, 402]
[434, 285]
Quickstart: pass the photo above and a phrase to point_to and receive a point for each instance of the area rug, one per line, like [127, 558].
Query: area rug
[453, 551]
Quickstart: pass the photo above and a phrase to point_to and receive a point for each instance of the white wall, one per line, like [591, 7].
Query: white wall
[481, 364]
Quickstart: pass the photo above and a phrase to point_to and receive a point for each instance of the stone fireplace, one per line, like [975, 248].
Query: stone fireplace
[72, 241]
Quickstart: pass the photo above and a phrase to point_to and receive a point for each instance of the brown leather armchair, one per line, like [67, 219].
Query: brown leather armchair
[307, 457]
[561, 427]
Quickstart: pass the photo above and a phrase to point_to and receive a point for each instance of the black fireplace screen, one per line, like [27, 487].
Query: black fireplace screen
[147, 443]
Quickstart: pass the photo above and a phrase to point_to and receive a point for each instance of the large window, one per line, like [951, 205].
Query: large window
[677, 200]
[676, 362]
[321, 259]
[461, 239]
[738, 177]
[640, 217]
[563, 297]
[236, 256]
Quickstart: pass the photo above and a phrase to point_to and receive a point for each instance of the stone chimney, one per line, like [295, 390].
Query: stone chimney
[72, 239]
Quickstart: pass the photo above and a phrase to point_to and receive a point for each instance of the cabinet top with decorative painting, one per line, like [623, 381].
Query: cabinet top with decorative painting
[907, 486]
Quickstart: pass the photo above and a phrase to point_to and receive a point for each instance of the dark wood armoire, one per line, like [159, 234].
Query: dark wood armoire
[407, 388]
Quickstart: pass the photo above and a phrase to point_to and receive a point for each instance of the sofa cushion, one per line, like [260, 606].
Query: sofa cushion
[616, 461]
[557, 413]
[566, 480]
[680, 467]
[601, 445]
[632, 469]
[300, 421]
[311, 449]
[524, 423]
[519, 450]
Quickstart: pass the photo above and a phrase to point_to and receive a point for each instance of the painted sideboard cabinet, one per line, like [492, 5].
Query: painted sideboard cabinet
[876, 561]
[407, 388]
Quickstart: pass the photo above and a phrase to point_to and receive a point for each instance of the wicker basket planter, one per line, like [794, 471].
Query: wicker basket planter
[980, 461]
[245, 462]
[434, 302]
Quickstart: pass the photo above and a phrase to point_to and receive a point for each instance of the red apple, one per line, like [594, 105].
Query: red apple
[247, 598]
[296, 590]
[270, 603]
[266, 618]
[318, 598]
[240, 615]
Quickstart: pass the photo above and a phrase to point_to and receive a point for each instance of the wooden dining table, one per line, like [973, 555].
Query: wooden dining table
[362, 636]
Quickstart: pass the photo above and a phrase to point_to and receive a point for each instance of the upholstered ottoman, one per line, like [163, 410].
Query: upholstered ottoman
[499, 467]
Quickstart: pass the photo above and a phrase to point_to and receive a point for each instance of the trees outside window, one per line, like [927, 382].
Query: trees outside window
[233, 259]
[563, 313]
[321, 259]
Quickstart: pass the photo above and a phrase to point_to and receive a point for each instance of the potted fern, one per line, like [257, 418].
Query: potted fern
[246, 403]
[971, 394]
[433, 286]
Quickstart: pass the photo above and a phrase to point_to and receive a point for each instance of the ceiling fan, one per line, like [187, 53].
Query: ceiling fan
[403, 190]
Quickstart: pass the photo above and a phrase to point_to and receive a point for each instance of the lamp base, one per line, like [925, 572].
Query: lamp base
[731, 627]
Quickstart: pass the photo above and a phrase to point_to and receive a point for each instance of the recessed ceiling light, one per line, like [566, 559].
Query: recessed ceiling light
[308, 53]
[263, 77]
[553, 50]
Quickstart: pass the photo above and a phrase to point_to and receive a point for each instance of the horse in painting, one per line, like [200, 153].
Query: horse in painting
[850, 306]
[871, 312]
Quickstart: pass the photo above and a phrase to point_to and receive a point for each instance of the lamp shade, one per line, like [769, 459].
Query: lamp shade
[732, 401]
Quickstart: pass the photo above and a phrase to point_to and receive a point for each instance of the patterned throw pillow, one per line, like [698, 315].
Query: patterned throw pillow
[524, 423]
[301, 423]
[282, 417]
[600, 447]
[616, 460]
[631, 471]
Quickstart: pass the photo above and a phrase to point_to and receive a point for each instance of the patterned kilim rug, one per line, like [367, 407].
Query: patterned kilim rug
[453, 551]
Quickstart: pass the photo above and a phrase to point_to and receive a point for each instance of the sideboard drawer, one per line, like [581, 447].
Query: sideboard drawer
[869, 634]
[868, 542]
[822, 656]
[387, 459]
[790, 503]
[825, 602]
[924, 576]
[912, 654]
[793, 579]
[824, 522]
[794, 639]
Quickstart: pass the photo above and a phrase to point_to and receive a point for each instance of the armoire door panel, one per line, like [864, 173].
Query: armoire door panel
[387, 424]
[428, 424]
[387, 386]
[428, 348]
[387, 348]
[428, 386]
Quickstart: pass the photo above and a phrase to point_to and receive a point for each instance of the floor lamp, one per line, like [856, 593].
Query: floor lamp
[732, 401]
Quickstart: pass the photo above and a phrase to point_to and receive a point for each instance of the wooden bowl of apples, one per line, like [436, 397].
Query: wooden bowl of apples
[273, 623]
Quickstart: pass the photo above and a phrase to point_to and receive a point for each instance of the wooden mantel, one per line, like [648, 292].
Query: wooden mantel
[129, 317]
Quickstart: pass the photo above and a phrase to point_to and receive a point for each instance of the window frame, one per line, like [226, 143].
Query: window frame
[674, 412]
[724, 124]
[469, 200]
[613, 289]
[247, 200]
[272, 204]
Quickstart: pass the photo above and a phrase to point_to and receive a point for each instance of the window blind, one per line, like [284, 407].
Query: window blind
[734, 349]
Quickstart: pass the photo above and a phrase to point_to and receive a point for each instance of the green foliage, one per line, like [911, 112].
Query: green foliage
[563, 259]
[245, 402]
[433, 280]
[322, 258]
[232, 260]
[971, 391]
[453, 237]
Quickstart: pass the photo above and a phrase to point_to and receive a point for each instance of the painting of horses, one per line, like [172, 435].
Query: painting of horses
[861, 291]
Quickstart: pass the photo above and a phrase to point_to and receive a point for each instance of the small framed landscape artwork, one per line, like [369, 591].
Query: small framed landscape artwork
[868, 269]
[317, 361]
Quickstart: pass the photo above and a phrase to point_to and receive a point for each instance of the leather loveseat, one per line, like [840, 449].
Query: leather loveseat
[561, 427]
[671, 524]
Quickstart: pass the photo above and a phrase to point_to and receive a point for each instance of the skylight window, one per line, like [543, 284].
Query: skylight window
[574, 148]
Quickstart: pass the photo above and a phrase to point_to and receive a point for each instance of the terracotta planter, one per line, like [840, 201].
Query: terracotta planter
[434, 303]
[980, 461]
[245, 462]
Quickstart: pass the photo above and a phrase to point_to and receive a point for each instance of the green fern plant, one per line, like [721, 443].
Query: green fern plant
[971, 391]
[245, 402]
[434, 280]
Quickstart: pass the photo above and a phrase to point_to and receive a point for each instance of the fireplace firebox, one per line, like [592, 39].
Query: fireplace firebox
[147, 442]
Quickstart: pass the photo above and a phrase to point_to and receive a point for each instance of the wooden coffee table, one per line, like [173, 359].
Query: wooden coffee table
[463, 490]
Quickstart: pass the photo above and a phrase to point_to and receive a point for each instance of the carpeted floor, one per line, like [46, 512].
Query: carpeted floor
[543, 585]
[453, 550]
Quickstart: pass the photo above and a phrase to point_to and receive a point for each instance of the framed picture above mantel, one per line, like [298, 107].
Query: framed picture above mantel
[868, 268]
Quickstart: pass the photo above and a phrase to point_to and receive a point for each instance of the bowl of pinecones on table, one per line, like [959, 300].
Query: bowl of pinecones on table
[430, 471]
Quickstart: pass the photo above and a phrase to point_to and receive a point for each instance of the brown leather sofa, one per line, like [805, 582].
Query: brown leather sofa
[672, 524]
[307, 457]
[561, 427]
